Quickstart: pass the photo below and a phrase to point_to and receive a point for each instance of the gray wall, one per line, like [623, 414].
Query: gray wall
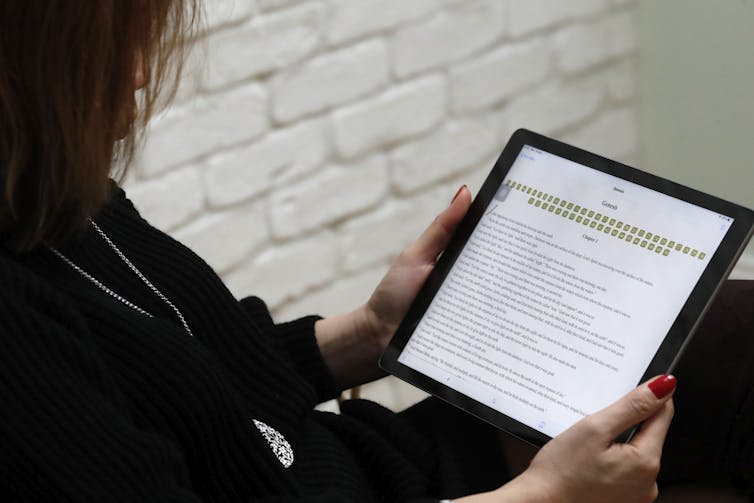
[696, 67]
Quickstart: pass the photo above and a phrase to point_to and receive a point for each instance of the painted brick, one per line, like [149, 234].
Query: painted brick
[221, 12]
[455, 148]
[204, 126]
[459, 31]
[331, 195]
[620, 33]
[579, 47]
[348, 20]
[331, 79]
[220, 178]
[382, 234]
[555, 106]
[268, 5]
[192, 75]
[286, 271]
[169, 200]
[612, 134]
[495, 76]
[263, 44]
[620, 79]
[343, 295]
[403, 111]
[585, 8]
[280, 157]
[582, 46]
[227, 238]
[534, 15]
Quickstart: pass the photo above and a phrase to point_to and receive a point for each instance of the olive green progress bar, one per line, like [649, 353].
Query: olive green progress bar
[599, 222]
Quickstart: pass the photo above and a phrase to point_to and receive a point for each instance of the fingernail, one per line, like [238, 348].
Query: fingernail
[663, 385]
[458, 193]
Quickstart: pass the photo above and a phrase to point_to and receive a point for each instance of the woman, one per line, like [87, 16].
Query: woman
[129, 372]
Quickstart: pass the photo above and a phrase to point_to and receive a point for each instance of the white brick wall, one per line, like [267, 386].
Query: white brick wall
[489, 79]
[402, 112]
[449, 35]
[313, 139]
[263, 44]
[330, 80]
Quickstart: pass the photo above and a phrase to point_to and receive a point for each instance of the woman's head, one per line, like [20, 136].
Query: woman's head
[69, 71]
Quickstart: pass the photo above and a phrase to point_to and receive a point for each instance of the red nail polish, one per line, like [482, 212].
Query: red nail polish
[458, 193]
[663, 385]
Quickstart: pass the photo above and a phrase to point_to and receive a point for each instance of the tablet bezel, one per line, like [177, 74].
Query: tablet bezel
[671, 349]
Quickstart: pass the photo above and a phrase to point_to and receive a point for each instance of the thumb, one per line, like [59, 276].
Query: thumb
[435, 238]
[636, 406]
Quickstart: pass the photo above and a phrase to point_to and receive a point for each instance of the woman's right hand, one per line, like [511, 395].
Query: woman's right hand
[584, 464]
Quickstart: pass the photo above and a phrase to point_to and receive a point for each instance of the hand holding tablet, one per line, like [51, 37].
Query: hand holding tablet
[572, 279]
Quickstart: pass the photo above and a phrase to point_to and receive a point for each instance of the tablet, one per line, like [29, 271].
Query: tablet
[572, 279]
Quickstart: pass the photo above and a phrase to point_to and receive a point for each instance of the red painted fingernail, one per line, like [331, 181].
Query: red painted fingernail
[663, 385]
[458, 193]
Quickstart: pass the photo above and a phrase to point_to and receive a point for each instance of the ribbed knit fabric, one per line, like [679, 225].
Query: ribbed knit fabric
[103, 404]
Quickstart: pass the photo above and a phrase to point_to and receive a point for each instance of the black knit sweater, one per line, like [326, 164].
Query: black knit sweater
[103, 404]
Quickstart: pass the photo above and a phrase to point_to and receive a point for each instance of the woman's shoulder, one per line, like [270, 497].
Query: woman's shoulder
[25, 295]
[15, 278]
[40, 331]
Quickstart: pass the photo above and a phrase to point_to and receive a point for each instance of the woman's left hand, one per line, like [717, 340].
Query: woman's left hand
[391, 299]
[351, 343]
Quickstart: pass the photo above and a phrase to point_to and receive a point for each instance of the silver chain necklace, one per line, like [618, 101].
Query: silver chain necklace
[277, 442]
[134, 269]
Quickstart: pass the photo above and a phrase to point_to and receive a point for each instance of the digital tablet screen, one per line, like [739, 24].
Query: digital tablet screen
[564, 291]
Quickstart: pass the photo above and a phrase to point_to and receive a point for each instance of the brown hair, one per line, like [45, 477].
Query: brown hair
[66, 101]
